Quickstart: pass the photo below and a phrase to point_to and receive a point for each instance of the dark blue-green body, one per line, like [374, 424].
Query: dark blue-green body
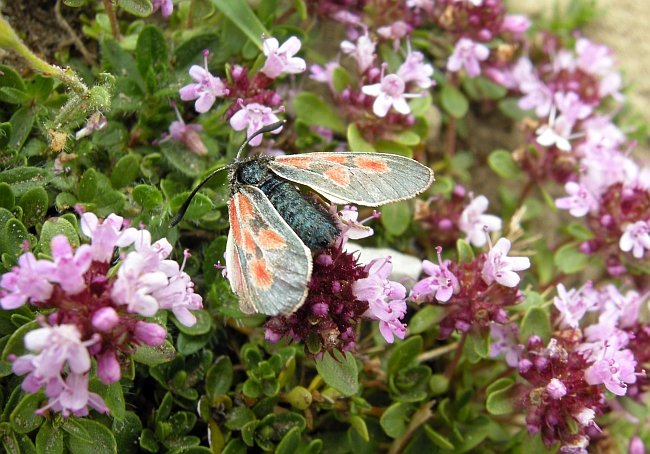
[309, 219]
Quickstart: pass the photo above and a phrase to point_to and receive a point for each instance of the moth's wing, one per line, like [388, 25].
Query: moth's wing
[369, 179]
[268, 265]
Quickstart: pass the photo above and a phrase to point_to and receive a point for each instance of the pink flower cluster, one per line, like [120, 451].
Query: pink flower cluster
[94, 313]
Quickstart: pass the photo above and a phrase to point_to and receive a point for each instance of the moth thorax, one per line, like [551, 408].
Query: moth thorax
[253, 173]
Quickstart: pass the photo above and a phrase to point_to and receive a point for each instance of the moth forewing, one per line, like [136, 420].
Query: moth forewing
[369, 179]
[272, 266]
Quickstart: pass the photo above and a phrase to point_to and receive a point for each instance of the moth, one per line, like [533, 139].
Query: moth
[274, 228]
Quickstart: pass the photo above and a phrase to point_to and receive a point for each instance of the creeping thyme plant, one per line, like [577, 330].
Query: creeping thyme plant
[501, 317]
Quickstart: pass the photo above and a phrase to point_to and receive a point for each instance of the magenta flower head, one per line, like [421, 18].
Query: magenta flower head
[254, 117]
[467, 54]
[25, 283]
[186, 134]
[280, 59]
[206, 88]
[441, 282]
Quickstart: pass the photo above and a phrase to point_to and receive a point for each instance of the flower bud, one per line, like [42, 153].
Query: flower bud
[150, 333]
[108, 367]
[105, 319]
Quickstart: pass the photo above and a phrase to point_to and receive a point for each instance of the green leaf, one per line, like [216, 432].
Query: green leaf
[214, 254]
[117, 61]
[404, 354]
[236, 446]
[239, 417]
[23, 419]
[393, 420]
[290, 442]
[501, 162]
[112, 395]
[437, 439]
[110, 202]
[408, 138]
[148, 441]
[139, 8]
[15, 235]
[9, 78]
[114, 136]
[315, 112]
[536, 321]
[65, 201]
[125, 172]
[356, 142]
[183, 160]
[6, 131]
[490, 89]
[568, 259]
[340, 373]
[57, 226]
[241, 14]
[40, 87]
[151, 53]
[127, 433]
[16, 343]
[396, 217]
[7, 198]
[420, 105]
[360, 426]
[465, 251]
[191, 51]
[510, 108]
[147, 196]
[340, 78]
[425, 318]
[102, 439]
[153, 356]
[34, 205]
[218, 379]
[129, 95]
[87, 186]
[477, 345]
[21, 123]
[385, 146]
[502, 401]
[202, 326]
[578, 231]
[188, 345]
[453, 101]
[199, 207]
[49, 440]
[439, 384]
[23, 179]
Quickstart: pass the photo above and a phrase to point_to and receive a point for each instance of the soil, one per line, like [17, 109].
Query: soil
[37, 24]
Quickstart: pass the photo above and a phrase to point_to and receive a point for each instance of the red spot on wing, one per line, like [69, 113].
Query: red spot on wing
[249, 243]
[339, 175]
[338, 159]
[269, 239]
[373, 165]
[260, 273]
[234, 222]
[300, 162]
[244, 207]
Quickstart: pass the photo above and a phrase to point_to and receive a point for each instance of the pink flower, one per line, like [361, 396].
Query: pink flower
[580, 201]
[573, 304]
[253, 117]
[472, 221]
[467, 54]
[179, 295]
[105, 319]
[106, 234]
[413, 70]
[108, 367]
[501, 268]
[506, 340]
[347, 220]
[280, 59]
[517, 24]
[593, 58]
[441, 281]
[135, 284]
[165, 6]
[636, 238]
[636, 446]
[363, 52]
[389, 93]
[395, 31]
[25, 282]
[186, 134]
[556, 389]
[68, 270]
[320, 74]
[615, 369]
[206, 88]
[72, 396]
[536, 94]
[150, 333]
[96, 122]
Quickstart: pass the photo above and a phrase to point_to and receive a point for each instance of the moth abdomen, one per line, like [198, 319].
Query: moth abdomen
[312, 223]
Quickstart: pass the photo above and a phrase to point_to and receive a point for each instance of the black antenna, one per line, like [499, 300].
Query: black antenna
[181, 212]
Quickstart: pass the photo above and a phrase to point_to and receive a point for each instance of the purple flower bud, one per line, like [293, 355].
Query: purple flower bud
[105, 319]
[150, 333]
[445, 224]
[524, 366]
[636, 446]
[485, 35]
[108, 367]
[556, 389]
[319, 309]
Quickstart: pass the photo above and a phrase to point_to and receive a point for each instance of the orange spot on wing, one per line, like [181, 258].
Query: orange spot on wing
[249, 243]
[269, 239]
[336, 158]
[374, 165]
[260, 273]
[244, 207]
[339, 175]
[300, 162]
[234, 222]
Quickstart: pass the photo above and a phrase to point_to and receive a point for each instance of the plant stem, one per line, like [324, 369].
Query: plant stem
[115, 27]
[459, 351]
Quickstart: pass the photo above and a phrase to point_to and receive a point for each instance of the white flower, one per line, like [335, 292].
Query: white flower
[501, 268]
[472, 221]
